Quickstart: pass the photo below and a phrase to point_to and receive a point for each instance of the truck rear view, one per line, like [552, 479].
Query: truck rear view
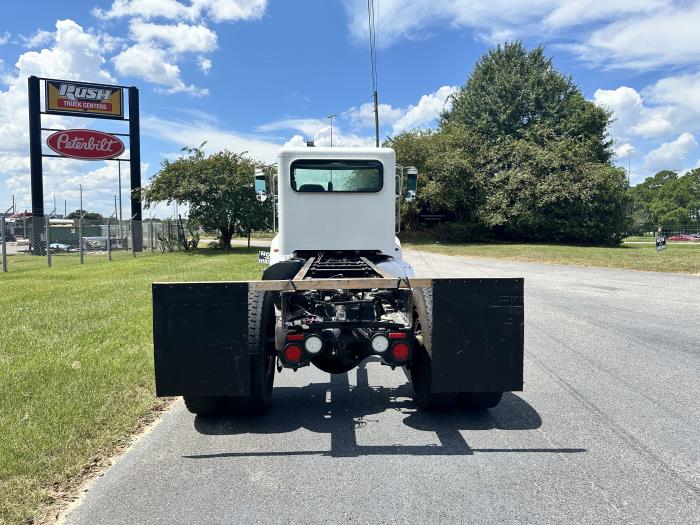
[337, 291]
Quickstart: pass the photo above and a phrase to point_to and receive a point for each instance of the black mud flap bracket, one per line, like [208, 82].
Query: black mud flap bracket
[478, 335]
[200, 339]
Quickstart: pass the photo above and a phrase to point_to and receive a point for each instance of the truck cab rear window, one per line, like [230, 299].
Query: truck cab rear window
[345, 176]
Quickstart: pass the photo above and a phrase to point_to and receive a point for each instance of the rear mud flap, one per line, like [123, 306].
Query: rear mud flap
[200, 339]
[478, 335]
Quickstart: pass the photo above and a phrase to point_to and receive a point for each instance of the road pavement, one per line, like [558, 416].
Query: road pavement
[607, 429]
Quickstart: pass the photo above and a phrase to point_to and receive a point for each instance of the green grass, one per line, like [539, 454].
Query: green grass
[679, 258]
[639, 238]
[76, 366]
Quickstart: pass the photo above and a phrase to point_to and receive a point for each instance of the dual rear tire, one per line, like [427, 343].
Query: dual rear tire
[421, 365]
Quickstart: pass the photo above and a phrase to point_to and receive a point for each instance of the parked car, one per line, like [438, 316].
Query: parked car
[682, 237]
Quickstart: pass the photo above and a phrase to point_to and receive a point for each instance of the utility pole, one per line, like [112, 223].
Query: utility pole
[331, 117]
[376, 120]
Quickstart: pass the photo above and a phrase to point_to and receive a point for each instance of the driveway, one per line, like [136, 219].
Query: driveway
[607, 429]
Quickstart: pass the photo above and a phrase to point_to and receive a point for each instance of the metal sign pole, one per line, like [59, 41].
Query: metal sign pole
[135, 163]
[36, 167]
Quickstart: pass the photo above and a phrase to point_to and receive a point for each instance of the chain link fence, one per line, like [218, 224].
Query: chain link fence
[32, 242]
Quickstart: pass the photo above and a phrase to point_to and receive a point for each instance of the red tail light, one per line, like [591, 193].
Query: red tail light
[295, 337]
[292, 353]
[397, 335]
[400, 351]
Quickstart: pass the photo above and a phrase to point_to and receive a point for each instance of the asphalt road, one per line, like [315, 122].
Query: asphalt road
[607, 429]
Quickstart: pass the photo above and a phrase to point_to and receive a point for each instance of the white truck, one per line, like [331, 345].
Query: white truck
[336, 292]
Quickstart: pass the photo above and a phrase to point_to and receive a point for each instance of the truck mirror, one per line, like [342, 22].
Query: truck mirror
[411, 184]
[260, 185]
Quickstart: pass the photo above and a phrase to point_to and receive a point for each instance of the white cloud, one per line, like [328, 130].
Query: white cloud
[158, 47]
[624, 149]
[179, 38]
[493, 20]
[661, 38]
[194, 132]
[38, 39]
[577, 12]
[428, 109]
[152, 64]
[630, 115]
[681, 90]
[5, 38]
[204, 64]
[318, 130]
[217, 10]
[625, 33]
[670, 155]
[229, 10]
[363, 116]
[422, 114]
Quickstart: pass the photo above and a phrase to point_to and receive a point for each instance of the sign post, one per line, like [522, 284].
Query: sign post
[660, 241]
[135, 166]
[36, 169]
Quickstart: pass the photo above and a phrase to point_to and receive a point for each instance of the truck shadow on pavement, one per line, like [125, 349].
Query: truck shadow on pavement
[339, 409]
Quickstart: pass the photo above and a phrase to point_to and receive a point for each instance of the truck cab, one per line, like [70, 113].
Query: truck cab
[339, 200]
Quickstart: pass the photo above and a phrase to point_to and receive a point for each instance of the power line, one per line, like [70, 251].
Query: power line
[373, 58]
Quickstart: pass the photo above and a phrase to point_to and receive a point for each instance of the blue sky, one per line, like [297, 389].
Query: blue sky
[254, 74]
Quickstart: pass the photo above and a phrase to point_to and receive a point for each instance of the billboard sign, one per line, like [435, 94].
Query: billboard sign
[85, 144]
[84, 99]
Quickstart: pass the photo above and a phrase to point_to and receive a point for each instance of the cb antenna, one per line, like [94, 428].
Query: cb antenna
[373, 57]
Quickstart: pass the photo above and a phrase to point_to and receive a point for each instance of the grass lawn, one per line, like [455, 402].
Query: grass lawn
[76, 366]
[678, 257]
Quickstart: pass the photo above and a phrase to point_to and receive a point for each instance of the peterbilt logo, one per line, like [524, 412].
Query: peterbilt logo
[73, 92]
[84, 99]
[85, 144]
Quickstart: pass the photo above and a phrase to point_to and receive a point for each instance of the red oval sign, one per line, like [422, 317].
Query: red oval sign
[85, 144]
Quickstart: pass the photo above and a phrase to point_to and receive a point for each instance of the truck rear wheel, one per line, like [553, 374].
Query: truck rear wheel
[261, 345]
[207, 405]
[477, 401]
[421, 369]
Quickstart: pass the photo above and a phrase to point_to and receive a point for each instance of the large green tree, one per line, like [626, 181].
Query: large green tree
[522, 154]
[218, 189]
[519, 94]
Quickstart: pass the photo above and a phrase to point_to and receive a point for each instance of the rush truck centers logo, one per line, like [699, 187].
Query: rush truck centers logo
[85, 144]
[85, 100]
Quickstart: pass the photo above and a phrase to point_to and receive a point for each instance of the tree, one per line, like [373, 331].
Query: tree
[87, 215]
[521, 154]
[548, 193]
[513, 91]
[218, 189]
